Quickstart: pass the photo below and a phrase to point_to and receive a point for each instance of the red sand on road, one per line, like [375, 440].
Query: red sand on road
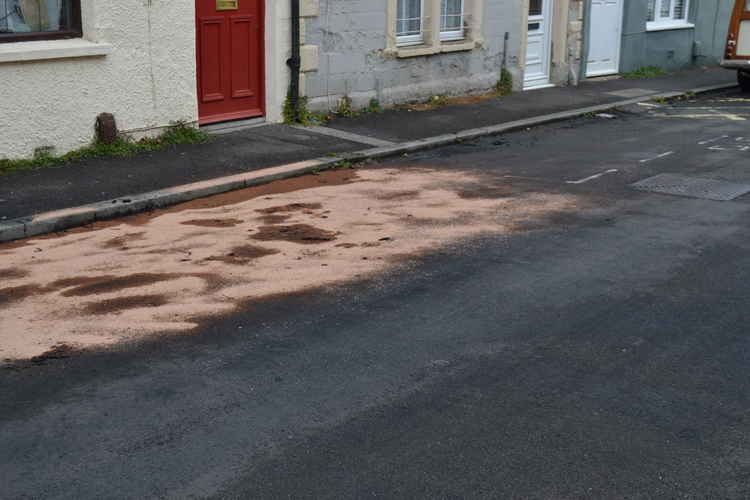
[169, 271]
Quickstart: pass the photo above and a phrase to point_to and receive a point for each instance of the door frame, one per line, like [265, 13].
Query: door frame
[620, 21]
[549, 16]
[262, 66]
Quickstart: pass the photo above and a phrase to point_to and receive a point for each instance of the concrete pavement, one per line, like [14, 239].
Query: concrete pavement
[29, 196]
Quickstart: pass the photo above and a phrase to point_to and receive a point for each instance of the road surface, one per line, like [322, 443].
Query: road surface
[565, 317]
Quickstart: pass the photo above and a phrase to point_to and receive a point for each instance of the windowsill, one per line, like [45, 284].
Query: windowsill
[51, 49]
[406, 51]
[681, 25]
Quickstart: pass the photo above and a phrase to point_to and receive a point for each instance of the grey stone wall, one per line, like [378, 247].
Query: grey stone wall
[575, 40]
[677, 48]
[350, 40]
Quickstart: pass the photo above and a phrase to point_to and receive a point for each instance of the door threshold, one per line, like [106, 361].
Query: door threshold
[603, 77]
[539, 86]
[233, 126]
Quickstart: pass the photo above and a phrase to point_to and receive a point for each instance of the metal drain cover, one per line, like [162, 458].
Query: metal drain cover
[692, 187]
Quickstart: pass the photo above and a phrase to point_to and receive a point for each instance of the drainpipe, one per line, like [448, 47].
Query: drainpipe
[294, 62]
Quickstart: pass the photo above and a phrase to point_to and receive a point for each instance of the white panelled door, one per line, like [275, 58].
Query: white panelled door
[538, 44]
[604, 37]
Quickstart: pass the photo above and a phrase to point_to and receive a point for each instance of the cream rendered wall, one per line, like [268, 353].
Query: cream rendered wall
[147, 80]
[278, 51]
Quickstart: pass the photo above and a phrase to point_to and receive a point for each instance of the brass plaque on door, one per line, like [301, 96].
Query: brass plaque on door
[227, 4]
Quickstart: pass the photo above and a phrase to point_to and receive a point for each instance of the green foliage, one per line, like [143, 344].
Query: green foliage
[344, 164]
[645, 72]
[504, 85]
[180, 133]
[373, 106]
[321, 117]
[299, 116]
[659, 100]
[176, 133]
[438, 100]
[345, 107]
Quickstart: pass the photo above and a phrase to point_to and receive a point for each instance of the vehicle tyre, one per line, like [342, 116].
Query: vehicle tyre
[743, 78]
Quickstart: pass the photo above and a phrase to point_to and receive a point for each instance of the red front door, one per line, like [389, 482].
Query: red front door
[230, 59]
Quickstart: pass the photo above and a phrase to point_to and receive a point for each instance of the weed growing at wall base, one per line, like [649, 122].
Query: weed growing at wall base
[645, 72]
[298, 115]
[176, 133]
[504, 85]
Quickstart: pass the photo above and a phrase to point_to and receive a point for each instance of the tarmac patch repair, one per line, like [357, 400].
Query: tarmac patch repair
[168, 271]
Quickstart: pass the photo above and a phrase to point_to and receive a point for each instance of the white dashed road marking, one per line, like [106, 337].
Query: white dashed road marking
[591, 178]
[657, 157]
[709, 141]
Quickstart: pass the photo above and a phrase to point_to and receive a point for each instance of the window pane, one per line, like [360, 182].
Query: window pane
[535, 7]
[452, 15]
[747, 5]
[409, 18]
[652, 10]
[679, 9]
[29, 16]
[666, 8]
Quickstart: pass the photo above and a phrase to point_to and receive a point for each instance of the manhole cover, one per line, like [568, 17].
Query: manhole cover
[631, 92]
[692, 187]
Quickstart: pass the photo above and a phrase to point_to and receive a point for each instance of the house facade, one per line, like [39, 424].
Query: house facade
[624, 35]
[148, 62]
[155, 62]
[404, 50]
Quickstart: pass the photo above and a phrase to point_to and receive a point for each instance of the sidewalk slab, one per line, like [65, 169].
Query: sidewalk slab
[38, 201]
[29, 192]
[400, 125]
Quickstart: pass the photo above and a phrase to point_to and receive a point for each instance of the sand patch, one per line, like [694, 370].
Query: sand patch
[122, 241]
[93, 288]
[12, 274]
[298, 233]
[243, 255]
[212, 222]
[274, 219]
[398, 195]
[12, 294]
[292, 207]
[118, 305]
[109, 285]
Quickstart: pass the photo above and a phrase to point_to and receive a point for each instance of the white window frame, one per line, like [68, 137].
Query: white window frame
[433, 39]
[416, 39]
[453, 35]
[668, 22]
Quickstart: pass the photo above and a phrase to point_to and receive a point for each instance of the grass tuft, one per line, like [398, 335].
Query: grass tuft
[176, 133]
[504, 85]
[645, 72]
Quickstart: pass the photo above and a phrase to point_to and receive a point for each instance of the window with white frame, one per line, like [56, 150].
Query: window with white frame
[412, 20]
[668, 13]
[452, 20]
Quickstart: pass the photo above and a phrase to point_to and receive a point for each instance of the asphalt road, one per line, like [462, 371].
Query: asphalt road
[596, 354]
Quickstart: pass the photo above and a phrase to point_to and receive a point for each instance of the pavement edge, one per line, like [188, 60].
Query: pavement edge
[60, 220]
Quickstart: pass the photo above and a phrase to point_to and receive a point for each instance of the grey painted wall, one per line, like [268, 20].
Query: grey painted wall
[679, 48]
[352, 38]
